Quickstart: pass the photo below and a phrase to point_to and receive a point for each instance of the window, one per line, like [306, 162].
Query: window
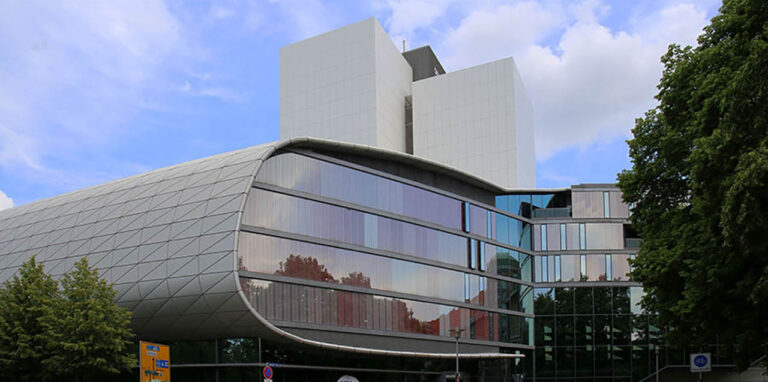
[544, 269]
[465, 216]
[472, 254]
[557, 268]
[582, 236]
[583, 261]
[467, 293]
[543, 237]
[481, 295]
[481, 260]
[606, 205]
[632, 257]
[562, 236]
[489, 223]
[608, 267]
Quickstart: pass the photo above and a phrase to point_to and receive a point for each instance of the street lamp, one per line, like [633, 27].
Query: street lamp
[457, 333]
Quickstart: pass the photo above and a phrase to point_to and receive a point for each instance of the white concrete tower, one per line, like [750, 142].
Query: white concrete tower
[478, 120]
[348, 84]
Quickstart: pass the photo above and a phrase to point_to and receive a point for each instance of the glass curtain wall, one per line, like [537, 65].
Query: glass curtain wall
[593, 333]
[330, 245]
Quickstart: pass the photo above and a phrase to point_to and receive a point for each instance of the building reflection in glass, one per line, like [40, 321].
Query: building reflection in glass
[285, 303]
[318, 177]
[284, 257]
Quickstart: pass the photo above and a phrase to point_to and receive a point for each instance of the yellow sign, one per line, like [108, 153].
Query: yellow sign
[154, 362]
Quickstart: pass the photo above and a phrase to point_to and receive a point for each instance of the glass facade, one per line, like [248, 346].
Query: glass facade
[302, 173]
[329, 246]
[592, 333]
[585, 332]
[308, 261]
[587, 267]
[295, 303]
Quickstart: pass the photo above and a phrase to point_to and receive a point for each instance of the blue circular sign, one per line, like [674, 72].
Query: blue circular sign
[700, 361]
[267, 372]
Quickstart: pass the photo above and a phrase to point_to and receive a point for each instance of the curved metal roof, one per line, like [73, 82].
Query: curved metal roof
[167, 239]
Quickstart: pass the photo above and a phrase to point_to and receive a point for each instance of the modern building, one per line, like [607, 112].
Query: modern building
[353, 85]
[300, 246]
[409, 217]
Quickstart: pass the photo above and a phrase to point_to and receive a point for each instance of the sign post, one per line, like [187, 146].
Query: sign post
[154, 362]
[267, 372]
[701, 363]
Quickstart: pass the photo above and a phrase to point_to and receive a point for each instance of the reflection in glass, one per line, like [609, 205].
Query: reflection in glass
[564, 298]
[543, 237]
[605, 236]
[620, 267]
[635, 296]
[569, 270]
[602, 297]
[481, 261]
[622, 360]
[513, 232]
[478, 216]
[585, 361]
[621, 300]
[602, 329]
[472, 251]
[582, 236]
[564, 330]
[583, 300]
[606, 205]
[278, 301]
[291, 214]
[301, 173]
[519, 205]
[584, 332]
[563, 240]
[565, 361]
[622, 329]
[544, 301]
[596, 268]
[291, 258]
[465, 217]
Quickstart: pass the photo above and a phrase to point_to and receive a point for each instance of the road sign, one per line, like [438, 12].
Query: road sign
[154, 362]
[267, 372]
[701, 362]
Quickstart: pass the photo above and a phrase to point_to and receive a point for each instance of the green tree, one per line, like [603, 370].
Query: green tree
[93, 335]
[699, 185]
[26, 309]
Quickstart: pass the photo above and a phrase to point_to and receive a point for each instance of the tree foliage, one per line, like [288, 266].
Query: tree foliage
[72, 330]
[699, 186]
[26, 310]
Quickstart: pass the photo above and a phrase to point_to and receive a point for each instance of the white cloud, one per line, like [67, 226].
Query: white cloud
[5, 201]
[220, 93]
[409, 15]
[591, 82]
[487, 35]
[299, 19]
[73, 72]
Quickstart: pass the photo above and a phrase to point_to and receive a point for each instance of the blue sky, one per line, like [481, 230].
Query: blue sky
[95, 91]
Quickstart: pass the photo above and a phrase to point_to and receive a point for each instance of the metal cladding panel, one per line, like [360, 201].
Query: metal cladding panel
[166, 239]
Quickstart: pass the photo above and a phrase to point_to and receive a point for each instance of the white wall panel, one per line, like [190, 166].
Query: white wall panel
[348, 84]
[477, 120]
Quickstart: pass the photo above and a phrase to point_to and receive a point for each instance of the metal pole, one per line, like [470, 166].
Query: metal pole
[657, 362]
[457, 333]
[457, 357]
